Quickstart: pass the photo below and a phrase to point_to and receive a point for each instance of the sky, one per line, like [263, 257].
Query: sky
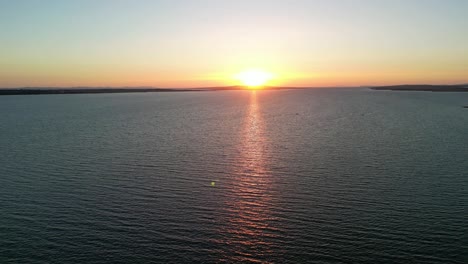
[201, 43]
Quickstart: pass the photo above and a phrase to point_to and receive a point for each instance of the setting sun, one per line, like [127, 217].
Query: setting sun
[254, 78]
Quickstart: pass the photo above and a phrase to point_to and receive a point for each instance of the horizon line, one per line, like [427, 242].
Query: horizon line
[214, 87]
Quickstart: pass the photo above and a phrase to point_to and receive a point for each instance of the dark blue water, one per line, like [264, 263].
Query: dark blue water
[318, 176]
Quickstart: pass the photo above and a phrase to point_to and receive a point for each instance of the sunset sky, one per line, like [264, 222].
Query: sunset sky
[183, 43]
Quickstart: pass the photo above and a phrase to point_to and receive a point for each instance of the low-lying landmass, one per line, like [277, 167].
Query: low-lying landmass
[424, 87]
[100, 90]
[84, 90]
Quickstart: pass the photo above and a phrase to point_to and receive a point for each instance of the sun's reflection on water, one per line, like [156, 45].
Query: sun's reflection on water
[249, 231]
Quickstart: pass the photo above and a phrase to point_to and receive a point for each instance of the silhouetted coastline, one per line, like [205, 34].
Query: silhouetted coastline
[425, 88]
[93, 90]
[39, 91]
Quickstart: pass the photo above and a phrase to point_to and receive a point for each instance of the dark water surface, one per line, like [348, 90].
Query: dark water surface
[317, 176]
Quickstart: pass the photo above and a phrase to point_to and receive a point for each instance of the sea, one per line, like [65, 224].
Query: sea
[267, 176]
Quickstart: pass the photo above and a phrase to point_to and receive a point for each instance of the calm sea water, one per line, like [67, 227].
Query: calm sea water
[318, 176]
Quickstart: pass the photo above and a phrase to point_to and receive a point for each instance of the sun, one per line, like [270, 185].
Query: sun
[254, 78]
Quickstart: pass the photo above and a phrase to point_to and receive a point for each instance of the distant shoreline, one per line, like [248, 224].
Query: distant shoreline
[100, 90]
[92, 90]
[423, 88]
[43, 91]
